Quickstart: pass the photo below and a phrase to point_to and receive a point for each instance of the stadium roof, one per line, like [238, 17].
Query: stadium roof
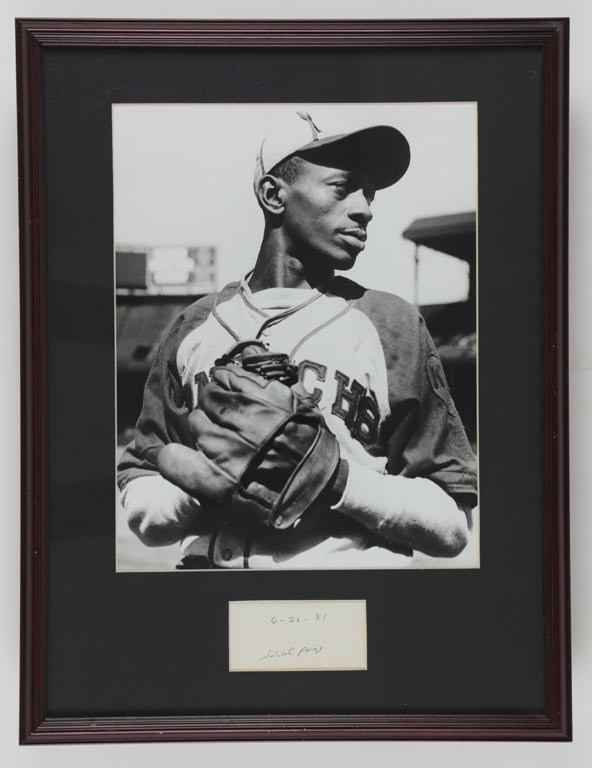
[454, 234]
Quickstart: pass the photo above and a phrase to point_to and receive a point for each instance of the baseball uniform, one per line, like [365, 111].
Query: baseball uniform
[371, 366]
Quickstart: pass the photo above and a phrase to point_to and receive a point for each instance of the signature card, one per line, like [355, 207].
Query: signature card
[297, 635]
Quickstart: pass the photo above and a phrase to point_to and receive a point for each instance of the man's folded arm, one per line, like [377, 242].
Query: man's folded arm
[413, 512]
[157, 511]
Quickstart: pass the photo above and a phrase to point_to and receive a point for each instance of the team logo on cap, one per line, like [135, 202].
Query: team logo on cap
[307, 118]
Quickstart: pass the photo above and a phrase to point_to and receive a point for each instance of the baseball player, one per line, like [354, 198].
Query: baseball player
[296, 419]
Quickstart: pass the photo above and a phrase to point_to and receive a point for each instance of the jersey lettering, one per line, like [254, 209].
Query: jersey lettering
[367, 420]
[320, 371]
[355, 405]
[347, 399]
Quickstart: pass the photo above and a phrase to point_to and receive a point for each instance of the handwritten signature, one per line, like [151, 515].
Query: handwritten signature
[303, 650]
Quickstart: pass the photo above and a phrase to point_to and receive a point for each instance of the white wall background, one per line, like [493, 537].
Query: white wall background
[411, 755]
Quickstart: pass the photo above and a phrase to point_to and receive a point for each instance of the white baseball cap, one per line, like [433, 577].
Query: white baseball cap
[380, 150]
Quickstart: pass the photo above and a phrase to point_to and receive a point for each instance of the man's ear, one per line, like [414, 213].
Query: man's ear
[271, 193]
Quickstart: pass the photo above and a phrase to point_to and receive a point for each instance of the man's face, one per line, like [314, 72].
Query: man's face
[327, 212]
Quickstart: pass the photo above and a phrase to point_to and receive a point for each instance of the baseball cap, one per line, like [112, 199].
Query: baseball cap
[381, 150]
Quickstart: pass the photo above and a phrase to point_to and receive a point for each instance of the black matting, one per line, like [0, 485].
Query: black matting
[438, 641]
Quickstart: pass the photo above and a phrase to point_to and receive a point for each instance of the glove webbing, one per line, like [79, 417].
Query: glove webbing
[277, 517]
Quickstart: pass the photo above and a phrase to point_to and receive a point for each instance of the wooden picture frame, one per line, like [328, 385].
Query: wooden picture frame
[35, 38]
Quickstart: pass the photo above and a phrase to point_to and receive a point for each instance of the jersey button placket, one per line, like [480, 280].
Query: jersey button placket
[229, 546]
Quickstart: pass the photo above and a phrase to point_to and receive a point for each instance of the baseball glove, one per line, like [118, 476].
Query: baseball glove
[264, 453]
[253, 356]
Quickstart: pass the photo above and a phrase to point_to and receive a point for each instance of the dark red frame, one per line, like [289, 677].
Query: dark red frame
[551, 37]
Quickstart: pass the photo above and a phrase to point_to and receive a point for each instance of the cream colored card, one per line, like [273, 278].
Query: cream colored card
[297, 635]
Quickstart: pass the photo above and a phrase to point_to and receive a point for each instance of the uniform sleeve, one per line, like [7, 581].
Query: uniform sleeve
[424, 434]
[163, 416]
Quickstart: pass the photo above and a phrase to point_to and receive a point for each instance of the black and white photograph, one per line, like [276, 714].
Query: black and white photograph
[296, 336]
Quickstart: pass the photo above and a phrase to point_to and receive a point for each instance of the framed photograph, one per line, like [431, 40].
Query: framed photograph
[294, 397]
